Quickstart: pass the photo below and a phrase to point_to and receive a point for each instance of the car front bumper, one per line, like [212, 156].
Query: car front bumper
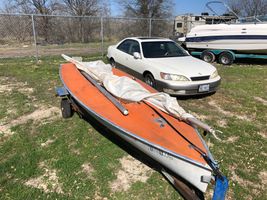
[188, 89]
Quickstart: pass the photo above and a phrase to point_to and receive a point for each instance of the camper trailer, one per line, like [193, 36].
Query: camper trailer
[184, 23]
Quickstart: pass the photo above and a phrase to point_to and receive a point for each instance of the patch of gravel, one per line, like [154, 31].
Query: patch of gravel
[43, 113]
[227, 113]
[48, 182]
[131, 171]
[261, 100]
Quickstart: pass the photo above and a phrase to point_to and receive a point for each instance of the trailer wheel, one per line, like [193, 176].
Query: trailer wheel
[226, 58]
[112, 62]
[208, 56]
[186, 190]
[66, 109]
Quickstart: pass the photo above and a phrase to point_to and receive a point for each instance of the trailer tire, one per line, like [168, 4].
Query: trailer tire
[66, 109]
[112, 62]
[208, 56]
[226, 58]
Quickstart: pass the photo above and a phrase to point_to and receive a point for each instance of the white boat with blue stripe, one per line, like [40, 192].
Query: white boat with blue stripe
[239, 38]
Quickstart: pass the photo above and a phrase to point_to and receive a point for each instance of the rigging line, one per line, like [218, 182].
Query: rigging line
[186, 139]
[200, 151]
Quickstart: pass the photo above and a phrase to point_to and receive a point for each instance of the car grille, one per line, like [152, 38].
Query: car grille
[200, 78]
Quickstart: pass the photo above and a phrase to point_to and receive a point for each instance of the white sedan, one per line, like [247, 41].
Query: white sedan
[164, 65]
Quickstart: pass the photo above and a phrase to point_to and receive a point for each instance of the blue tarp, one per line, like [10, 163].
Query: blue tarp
[221, 187]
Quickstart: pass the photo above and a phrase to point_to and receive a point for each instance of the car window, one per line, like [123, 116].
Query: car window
[124, 46]
[129, 46]
[161, 49]
[134, 47]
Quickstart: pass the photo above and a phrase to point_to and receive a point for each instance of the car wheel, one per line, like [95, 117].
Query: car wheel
[208, 56]
[66, 109]
[112, 62]
[149, 79]
[226, 58]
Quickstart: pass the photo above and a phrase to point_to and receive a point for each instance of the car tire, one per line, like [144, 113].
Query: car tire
[226, 58]
[112, 62]
[66, 109]
[208, 56]
[149, 79]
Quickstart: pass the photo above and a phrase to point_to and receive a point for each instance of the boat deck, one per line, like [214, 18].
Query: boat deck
[142, 120]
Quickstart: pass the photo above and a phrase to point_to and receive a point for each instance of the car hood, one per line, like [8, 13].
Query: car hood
[186, 65]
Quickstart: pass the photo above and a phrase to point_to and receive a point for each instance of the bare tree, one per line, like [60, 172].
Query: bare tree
[31, 6]
[43, 7]
[83, 8]
[147, 9]
[248, 8]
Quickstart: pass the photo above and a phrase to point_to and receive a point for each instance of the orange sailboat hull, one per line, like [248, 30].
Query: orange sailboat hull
[147, 128]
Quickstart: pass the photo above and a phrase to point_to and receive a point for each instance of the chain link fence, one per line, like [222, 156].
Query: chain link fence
[24, 35]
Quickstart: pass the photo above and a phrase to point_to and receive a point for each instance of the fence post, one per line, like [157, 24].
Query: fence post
[150, 27]
[35, 40]
[102, 37]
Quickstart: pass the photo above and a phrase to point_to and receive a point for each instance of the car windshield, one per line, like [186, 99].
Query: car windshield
[162, 49]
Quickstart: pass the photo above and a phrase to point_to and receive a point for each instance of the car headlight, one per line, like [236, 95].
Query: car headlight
[173, 77]
[214, 74]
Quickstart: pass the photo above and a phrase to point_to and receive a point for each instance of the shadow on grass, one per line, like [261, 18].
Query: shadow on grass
[199, 96]
[247, 61]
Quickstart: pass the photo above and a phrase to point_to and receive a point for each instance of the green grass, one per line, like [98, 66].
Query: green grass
[241, 117]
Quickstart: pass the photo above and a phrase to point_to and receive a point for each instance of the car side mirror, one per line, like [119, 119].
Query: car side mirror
[137, 55]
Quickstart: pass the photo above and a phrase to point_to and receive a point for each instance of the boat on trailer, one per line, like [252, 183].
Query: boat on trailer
[173, 143]
[239, 38]
[227, 41]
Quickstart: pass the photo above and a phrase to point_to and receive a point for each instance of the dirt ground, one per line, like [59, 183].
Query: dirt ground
[11, 52]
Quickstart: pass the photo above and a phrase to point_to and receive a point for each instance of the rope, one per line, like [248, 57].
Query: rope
[200, 151]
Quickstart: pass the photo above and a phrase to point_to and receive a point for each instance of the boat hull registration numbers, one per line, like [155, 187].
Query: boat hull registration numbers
[204, 88]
